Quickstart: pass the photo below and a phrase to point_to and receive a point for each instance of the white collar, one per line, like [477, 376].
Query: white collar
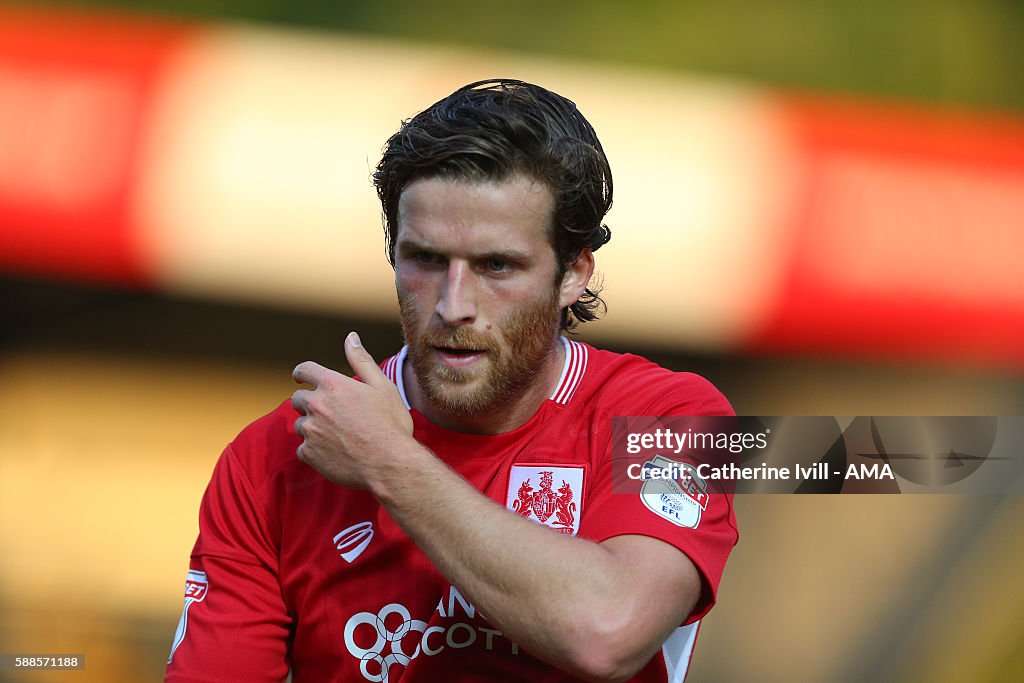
[573, 369]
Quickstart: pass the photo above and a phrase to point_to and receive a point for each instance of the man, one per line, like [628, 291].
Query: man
[449, 516]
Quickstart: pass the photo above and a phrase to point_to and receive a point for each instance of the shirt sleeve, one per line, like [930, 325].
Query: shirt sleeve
[616, 511]
[235, 625]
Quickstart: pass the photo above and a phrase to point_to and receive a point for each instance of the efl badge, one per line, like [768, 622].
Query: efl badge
[196, 587]
[680, 500]
[547, 494]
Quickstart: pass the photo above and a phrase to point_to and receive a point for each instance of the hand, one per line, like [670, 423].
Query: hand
[349, 427]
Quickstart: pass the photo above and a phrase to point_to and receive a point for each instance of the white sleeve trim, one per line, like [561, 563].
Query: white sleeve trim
[678, 649]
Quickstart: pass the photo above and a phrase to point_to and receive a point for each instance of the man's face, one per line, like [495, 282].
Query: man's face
[475, 273]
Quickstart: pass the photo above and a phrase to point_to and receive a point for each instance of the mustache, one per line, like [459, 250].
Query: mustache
[460, 337]
[440, 335]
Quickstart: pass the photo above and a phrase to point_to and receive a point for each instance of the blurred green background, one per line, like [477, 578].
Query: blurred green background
[939, 52]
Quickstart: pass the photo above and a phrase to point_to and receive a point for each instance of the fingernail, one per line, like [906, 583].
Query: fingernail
[354, 340]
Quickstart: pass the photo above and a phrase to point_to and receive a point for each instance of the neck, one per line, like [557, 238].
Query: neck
[508, 416]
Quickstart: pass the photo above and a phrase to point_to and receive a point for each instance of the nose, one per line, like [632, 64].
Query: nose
[457, 304]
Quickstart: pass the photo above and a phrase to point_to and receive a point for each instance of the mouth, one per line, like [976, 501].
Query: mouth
[459, 357]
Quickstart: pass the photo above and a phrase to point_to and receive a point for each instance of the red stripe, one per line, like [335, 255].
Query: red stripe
[906, 236]
[76, 95]
[572, 376]
[570, 355]
[584, 357]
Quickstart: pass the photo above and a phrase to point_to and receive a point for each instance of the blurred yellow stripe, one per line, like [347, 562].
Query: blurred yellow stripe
[257, 178]
[102, 465]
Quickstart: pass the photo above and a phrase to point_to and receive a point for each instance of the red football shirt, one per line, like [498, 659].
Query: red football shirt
[293, 572]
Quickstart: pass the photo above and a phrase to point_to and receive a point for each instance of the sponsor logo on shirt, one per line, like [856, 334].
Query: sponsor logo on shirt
[391, 637]
[680, 500]
[547, 494]
[196, 588]
[352, 541]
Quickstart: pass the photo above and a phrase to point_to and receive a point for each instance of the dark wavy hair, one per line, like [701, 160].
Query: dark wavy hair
[491, 130]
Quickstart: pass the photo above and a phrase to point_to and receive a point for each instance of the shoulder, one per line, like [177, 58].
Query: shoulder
[624, 384]
[267, 445]
[266, 448]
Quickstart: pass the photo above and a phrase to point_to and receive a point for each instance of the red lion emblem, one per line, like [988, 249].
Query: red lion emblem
[541, 504]
[525, 500]
[565, 508]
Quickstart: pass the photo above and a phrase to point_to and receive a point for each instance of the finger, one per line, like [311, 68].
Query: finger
[300, 400]
[309, 372]
[300, 426]
[362, 362]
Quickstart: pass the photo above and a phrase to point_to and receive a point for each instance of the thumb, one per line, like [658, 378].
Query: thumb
[361, 362]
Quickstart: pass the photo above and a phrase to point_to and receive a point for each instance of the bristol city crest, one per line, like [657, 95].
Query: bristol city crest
[547, 494]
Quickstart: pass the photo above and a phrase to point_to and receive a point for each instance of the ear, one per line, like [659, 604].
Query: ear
[576, 278]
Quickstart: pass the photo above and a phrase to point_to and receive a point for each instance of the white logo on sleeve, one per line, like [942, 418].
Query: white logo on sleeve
[196, 588]
[353, 541]
[679, 500]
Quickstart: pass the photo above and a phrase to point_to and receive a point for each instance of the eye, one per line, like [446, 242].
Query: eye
[497, 265]
[425, 258]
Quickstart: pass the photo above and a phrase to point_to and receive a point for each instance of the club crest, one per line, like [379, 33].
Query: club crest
[550, 495]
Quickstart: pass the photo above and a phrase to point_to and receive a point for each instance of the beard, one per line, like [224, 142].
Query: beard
[517, 351]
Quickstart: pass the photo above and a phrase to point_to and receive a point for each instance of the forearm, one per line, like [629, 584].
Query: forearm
[584, 607]
[565, 600]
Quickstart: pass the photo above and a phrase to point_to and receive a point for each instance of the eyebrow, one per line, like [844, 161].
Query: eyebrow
[408, 246]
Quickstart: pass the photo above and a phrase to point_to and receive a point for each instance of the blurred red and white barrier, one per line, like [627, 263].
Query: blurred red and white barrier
[232, 161]
[77, 93]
